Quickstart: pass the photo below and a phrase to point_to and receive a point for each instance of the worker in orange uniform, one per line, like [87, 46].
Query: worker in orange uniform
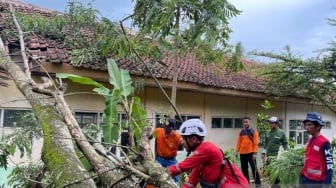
[247, 147]
[167, 143]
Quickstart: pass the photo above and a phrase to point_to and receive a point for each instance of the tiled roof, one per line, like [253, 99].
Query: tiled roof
[190, 70]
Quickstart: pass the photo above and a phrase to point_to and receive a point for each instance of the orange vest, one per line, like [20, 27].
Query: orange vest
[246, 144]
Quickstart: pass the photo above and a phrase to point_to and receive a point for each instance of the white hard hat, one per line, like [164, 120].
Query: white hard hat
[193, 126]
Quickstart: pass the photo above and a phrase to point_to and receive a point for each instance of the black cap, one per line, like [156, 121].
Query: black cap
[171, 123]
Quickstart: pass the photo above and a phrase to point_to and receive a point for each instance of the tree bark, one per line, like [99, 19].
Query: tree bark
[58, 152]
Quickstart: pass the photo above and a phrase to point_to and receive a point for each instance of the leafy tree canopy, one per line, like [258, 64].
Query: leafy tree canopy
[201, 26]
[313, 78]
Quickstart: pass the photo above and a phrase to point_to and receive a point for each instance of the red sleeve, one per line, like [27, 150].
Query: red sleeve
[191, 162]
[193, 178]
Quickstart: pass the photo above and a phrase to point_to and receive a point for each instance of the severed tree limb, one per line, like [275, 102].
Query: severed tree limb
[58, 154]
[96, 160]
[22, 45]
[159, 176]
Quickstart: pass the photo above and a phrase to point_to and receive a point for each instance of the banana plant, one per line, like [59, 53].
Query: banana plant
[120, 95]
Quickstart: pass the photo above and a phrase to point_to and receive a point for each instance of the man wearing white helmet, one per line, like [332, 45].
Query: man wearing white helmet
[208, 165]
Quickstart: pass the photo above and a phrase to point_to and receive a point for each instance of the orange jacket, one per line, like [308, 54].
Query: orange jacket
[166, 146]
[245, 144]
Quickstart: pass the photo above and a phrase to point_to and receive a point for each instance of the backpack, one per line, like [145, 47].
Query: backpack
[248, 132]
[235, 178]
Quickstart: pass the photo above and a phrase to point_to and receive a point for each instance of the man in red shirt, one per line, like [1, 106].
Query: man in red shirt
[208, 165]
[167, 144]
[318, 165]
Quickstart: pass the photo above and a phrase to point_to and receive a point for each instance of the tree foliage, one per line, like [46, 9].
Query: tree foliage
[199, 27]
[26, 130]
[312, 78]
[286, 167]
[120, 95]
[262, 121]
[90, 38]
[93, 39]
[190, 21]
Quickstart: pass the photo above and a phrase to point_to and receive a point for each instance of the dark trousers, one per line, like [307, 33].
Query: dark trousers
[246, 159]
[308, 183]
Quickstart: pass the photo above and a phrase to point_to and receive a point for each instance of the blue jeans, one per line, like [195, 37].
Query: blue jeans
[166, 163]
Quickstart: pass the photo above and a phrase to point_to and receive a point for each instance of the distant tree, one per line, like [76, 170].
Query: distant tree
[312, 78]
[200, 28]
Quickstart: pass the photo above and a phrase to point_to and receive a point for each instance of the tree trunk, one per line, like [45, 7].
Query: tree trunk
[58, 152]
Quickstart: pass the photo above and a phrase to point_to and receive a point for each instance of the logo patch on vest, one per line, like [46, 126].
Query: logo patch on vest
[316, 148]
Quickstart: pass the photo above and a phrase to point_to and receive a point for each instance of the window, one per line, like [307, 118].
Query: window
[216, 122]
[327, 125]
[124, 138]
[226, 122]
[86, 118]
[12, 117]
[297, 132]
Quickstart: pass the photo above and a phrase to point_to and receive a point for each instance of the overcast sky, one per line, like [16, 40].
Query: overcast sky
[264, 25]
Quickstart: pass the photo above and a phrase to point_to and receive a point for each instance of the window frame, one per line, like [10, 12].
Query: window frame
[3, 118]
[234, 121]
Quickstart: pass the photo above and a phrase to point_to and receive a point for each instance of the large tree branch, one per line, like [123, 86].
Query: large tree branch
[58, 154]
[22, 45]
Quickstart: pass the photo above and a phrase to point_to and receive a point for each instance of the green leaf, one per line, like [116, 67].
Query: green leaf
[111, 127]
[80, 79]
[139, 117]
[114, 73]
[119, 78]
[126, 83]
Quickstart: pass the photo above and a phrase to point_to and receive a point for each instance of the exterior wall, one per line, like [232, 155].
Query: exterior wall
[82, 98]
[224, 106]
[188, 103]
[11, 97]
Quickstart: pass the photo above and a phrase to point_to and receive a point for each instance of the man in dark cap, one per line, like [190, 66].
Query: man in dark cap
[318, 165]
[167, 143]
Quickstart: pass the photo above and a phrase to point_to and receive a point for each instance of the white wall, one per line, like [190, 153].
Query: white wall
[189, 103]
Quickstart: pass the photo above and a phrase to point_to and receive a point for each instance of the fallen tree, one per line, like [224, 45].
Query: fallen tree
[60, 129]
